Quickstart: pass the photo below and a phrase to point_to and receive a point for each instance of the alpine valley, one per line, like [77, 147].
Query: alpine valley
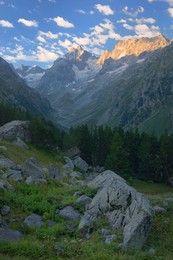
[131, 86]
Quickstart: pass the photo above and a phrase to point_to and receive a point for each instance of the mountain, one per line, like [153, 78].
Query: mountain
[68, 77]
[134, 47]
[30, 74]
[14, 91]
[132, 88]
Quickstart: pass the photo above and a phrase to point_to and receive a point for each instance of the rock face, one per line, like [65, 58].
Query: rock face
[122, 206]
[134, 47]
[15, 129]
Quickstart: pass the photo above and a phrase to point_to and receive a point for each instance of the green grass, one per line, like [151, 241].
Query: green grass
[19, 155]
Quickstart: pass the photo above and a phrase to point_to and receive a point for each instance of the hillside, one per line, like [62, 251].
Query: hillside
[15, 92]
[33, 212]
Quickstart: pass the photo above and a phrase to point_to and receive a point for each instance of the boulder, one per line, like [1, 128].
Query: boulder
[5, 162]
[16, 129]
[81, 164]
[69, 163]
[18, 142]
[10, 234]
[14, 175]
[69, 213]
[122, 206]
[54, 173]
[33, 221]
[32, 167]
[84, 200]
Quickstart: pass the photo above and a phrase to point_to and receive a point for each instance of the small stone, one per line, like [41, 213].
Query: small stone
[152, 251]
[33, 221]
[5, 210]
[77, 193]
[110, 238]
[159, 209]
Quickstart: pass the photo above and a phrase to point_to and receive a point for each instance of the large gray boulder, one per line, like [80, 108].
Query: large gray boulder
[16, 129]
[122, 206]
[10, 234]
[32, 167]
[81, 164]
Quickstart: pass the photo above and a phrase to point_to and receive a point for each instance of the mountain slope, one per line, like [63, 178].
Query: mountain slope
[14, 91]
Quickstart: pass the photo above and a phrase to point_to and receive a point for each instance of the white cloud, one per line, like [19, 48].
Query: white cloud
[142, 30]
[170, 11]
[41, 39]
[2, 3]
[128, 27]
[5, 23]
[91, 12]
[65, 44]
[82, 40]
[104, 9]
[145, 20]
[62, 22]
[170, 2]
[121, 21]
[44, 55]
[52, 1]
[28, 23]
[81, 11]
[133, 12]
[49, 35]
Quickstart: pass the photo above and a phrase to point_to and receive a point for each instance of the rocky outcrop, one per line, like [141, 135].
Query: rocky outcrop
[135, 47]
[122, 206]
[16, 129]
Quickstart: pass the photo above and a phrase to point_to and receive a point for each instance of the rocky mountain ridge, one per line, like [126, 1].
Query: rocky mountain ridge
[116, 89]
[134, 46]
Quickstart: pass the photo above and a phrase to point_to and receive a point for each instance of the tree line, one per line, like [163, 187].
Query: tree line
[128, 153]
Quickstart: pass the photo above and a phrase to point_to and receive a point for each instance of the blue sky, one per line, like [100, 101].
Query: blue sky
[37, 32]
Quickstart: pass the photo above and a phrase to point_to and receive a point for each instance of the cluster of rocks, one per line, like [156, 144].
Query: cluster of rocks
[115, 201]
